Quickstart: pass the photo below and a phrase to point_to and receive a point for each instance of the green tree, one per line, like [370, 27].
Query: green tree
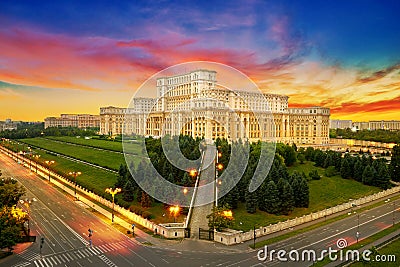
[269, 199]
[289, 155]
[128, 191]
[368, 175]
[358, 170]
[296, 177]
[10, 229]
[121, 179]
[10, 226]
[251, 201]
[145, 200]
[345, 169]
[10, 192]
[301, 158]
[309, 154]
[304, 198]
[218, 220]
[395, 164]
[287, 198]
[382, 179]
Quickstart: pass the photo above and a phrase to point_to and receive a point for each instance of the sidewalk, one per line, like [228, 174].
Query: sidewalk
[191, 244]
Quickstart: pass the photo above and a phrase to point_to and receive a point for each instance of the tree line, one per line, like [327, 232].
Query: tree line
[363, 168]
[11, 223]
[31, 130]
[279, 193]
[385, 136]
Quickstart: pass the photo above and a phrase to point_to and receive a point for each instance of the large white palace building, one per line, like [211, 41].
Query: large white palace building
[193, 104]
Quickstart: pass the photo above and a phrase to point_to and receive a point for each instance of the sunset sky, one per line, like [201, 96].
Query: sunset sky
[70, 57]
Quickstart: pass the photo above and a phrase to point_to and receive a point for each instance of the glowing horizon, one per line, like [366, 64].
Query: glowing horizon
[55, 60]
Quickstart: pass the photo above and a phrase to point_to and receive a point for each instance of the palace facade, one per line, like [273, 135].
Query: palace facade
[73, 120]
[193, 104]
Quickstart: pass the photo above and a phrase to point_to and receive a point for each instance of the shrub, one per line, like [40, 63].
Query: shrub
[314, 175]
[330, 171]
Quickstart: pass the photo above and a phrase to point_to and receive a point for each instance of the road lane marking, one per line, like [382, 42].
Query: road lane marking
[375, 218]
[52, 258]
[84, 255]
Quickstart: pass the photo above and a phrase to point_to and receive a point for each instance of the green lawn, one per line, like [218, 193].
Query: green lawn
[324, 193]
[91, 178]
[391, 249]
[132, 147]
[106, 159]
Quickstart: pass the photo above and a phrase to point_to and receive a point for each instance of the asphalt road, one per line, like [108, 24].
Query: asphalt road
[64, 224]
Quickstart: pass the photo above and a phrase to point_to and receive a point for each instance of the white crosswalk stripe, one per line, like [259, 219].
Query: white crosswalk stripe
[52, 258]
[22, 264]
[94, 250]
[29, 255]
[107, 261]
[64, 257]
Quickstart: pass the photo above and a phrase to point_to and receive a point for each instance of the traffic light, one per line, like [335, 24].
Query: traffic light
[41, 244]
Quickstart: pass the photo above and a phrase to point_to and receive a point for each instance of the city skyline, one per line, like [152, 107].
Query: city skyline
[75, 58]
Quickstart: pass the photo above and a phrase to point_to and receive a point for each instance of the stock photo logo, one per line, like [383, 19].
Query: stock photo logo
[340, 253]
[208, 101]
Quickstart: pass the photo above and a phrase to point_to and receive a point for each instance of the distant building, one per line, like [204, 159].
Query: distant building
[384, 125]
[340, 124]
[73, 120]
[193, 104]
[360, 125]
[8, 124]
[377, 125]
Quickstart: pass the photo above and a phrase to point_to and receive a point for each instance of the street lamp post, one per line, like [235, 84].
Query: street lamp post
[27, 202]
[358, 227]
[174, 210]
[30, 158]
[254, 237]
[218, 167]
[113, 192]
[37, 158]
[394, 209]
[75, 174]
[48, 162]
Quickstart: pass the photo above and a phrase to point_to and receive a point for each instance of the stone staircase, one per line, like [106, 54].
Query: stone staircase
[203, 202]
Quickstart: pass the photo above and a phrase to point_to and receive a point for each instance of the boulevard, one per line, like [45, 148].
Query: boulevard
[64, 223]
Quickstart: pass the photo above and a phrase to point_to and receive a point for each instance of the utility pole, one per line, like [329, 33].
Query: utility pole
[254, 237]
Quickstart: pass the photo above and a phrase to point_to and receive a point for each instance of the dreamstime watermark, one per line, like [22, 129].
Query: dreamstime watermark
[310, 255]
[199, 99]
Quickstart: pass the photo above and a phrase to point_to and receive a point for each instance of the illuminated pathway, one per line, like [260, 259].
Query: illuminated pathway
[64, 224]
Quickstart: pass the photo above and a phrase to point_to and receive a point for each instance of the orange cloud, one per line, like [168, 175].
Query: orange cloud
[113, 67]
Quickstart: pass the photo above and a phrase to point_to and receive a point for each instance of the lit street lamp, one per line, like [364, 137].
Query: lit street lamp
[48, 162]
[75, 174]
[193, 173]
[174, 210]
[30, 158]
[113, 192]
[37, 158]
[27, 202]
